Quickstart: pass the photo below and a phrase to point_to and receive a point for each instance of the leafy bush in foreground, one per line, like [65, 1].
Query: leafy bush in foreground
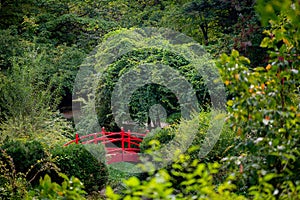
[196, 182]
[15, 184]
[26, 156]
[76, 160]
[265, 110]
[69, 189]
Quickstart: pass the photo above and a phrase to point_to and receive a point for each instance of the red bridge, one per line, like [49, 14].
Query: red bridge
[130, 144]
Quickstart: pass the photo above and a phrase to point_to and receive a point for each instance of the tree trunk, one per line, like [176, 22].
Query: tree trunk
[204, 30]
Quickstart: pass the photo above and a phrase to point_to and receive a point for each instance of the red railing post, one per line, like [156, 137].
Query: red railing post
[95, 138]
[103, 131]
[76, 138]
[122, 141]
[129, 137]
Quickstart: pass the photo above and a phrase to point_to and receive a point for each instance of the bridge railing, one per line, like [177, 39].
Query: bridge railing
[117, 154]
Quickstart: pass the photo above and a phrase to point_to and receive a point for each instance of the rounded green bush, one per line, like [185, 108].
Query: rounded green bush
[24, 156]
[84, 162]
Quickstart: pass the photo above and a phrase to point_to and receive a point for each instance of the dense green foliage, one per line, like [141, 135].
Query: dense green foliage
[69, 189]
[150, 94]
[25, 157]
[15, 178]
[264, 113]
[76, 160]
[186, 180]
[24, 154]
[222, 148]
[265, 110]
[256, 48]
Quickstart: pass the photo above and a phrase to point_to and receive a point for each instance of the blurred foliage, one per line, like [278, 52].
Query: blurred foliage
[69, 189]
[191, 179]
[194, 181]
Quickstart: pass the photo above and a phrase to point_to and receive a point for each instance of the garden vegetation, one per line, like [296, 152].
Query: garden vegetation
[255, 46]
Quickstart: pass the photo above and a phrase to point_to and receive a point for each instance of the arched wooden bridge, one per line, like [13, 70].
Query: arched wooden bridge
[129, 141]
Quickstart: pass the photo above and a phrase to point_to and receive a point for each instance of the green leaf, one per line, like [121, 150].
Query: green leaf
[235, 53]
[268, 177]
[110, 193]
[265, 42]
[260, 69]
[281, 130]
[230, 103]
[132, 182]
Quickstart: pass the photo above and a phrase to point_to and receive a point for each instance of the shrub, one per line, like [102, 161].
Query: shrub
[163, 136]
[190, 179]
[28, 101]
[265, 108]
[223, 146]
[25, 156]
[76, 160]
[12, 184]
[174, 118]
[70, 189]
[16, 178]
[195, 181]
